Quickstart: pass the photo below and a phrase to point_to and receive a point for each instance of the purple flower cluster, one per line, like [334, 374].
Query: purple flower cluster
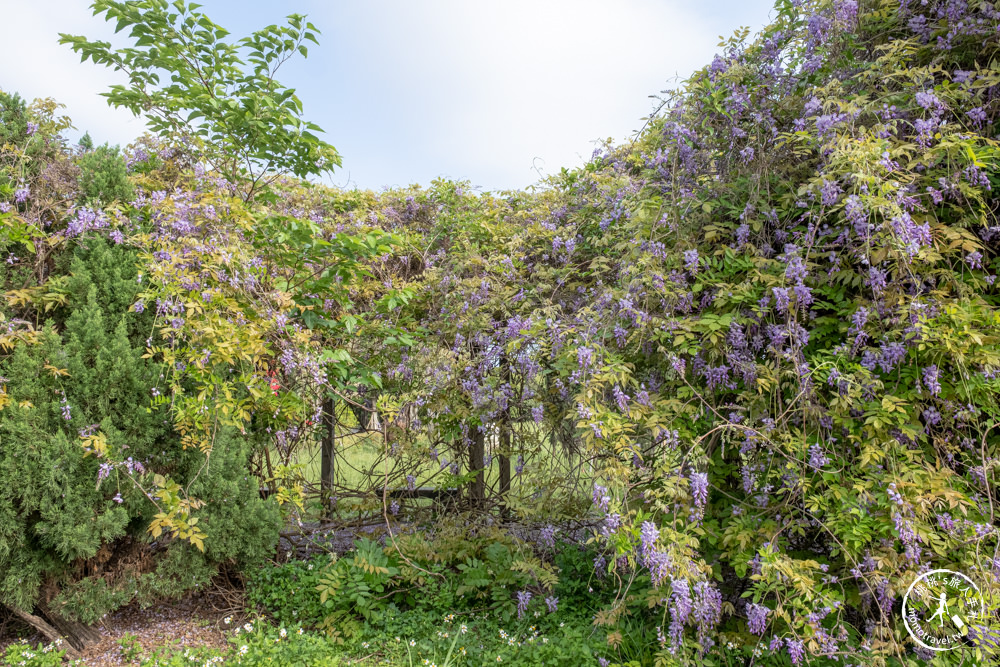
[538, 413]
[757, 618]
[547, 536]
[691, 260]
[707, 612]
[699, 488]
[680, 609]
[523, 598]
[931, 382]
[817, 457]
[601, 498]
[796, 650]
[648, 535]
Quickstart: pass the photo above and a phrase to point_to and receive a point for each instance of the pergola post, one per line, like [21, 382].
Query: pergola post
[326, 454]
[477, 462]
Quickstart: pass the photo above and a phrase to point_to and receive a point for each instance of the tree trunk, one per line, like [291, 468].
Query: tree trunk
[76, 636]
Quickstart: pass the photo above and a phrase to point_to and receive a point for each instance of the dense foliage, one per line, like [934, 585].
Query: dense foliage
[82, 443]
[754, 352]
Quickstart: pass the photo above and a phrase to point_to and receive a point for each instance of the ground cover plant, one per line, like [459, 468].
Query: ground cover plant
[719, 396]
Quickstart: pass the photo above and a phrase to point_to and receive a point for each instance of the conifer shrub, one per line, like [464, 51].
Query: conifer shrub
[104, 176]
[73, 526]
[13, 118]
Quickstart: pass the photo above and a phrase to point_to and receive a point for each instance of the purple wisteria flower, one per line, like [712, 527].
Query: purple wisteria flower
[911, 235]
[680, 609]
[552, 603]
[612, 522]
[781, 298]
[600, 565]
[796, 650]
[648, 535]
[660, 566]
[888, 163]
[757, 618]
[678, 364]
[642, 398]
[538, 413]
[523, 598]
[931, 380]
[742, 235]
[699, 488]
[929, 101]
[830, 193]
[547, 536]
[707, 611]
[817, 457]
[977, 116]
[876, 279]
[846, 11]
[691, 260]
[987, 638]
[894, 495]
[621, 399]
[601, 498]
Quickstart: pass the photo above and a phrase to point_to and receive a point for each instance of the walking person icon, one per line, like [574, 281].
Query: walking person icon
[955, 601]
[941, 610]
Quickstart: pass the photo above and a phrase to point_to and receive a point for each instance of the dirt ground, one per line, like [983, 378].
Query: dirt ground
[193, 621]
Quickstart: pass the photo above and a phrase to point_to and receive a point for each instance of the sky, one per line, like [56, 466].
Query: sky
[498, 93]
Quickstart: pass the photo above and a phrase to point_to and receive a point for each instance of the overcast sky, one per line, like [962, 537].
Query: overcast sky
[492, 92]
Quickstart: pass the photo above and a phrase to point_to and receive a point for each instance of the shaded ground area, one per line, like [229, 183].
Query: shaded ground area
[193, 621]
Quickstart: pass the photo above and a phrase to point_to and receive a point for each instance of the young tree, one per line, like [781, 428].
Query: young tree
[222, 97]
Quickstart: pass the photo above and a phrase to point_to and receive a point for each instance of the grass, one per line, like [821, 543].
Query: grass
[360, 466]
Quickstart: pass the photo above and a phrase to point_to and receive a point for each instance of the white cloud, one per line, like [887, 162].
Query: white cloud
[481, 90]
[36, 65]
[486, 88]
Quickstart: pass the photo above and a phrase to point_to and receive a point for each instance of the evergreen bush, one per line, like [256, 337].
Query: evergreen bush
[104, 176]
[73, 527]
